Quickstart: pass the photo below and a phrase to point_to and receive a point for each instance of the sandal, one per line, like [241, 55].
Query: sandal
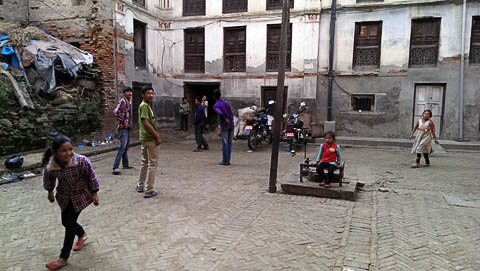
[322, 183]
[415, 165]
[425, 165]
[79, 244]
[54, 265]
[327, 185]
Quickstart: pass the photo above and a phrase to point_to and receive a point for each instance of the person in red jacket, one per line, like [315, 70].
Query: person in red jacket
[329, 157]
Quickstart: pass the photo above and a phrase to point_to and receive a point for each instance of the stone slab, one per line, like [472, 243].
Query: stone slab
[292, 185]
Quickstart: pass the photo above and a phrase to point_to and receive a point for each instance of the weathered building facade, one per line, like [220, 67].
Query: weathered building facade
[393, 58]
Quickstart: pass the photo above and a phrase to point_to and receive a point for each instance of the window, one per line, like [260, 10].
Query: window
[475, 41]
[139, 40]
[273, 47]
[230, 6]
[139, 2]
[424, 42]
[277, 4]
[195, 50]
[363, 102]
[367, 45]
[164, 4]
[235, 49]
[193, 7]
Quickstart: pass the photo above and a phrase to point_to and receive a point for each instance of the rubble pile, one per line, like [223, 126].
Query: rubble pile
[46, 86]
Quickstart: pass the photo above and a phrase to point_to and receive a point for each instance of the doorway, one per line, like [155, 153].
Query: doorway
[270, 93]
[429, 97]
[136, 100]
[195, 89]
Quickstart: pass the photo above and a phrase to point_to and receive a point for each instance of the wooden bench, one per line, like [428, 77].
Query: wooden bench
[307, 171]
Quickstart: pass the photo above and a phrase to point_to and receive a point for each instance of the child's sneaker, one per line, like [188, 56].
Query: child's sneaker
[425, 165]
[415, 165]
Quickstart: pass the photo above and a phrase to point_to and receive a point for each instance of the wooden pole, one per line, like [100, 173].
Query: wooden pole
[272, 184]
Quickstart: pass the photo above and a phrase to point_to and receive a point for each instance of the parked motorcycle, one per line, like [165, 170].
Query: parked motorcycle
[258, 129]
[294, 133]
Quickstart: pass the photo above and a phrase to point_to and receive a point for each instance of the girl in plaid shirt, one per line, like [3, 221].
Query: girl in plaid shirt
[77, 187]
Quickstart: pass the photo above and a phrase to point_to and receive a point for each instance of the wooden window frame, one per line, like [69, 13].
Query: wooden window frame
[357, 46]
[139, 52]
[191, 31]
[226, 54]
[425, 44]
[288, 66]
[475, 42]
[272, 6]
[226, 8]
[200, 12]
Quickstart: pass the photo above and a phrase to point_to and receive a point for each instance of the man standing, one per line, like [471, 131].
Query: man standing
[205, 107]
[123, 114]
[227, 125]
[150, 140]
[200, 123]
[184, 111]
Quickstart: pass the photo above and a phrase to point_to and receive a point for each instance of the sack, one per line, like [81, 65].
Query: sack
[14, 162]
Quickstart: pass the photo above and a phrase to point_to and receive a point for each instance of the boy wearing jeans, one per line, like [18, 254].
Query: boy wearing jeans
[150, 140]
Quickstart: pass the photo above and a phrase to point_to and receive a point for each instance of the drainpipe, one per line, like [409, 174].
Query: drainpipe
[462, 75]
[333, 18]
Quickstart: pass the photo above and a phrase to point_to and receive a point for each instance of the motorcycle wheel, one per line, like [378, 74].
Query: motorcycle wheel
[252, 140]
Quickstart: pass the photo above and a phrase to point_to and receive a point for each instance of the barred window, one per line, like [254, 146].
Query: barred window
[195, 50]
[367, 44]
[231, 6]
[139, 40]
[363, 102]
[193, 7]
[273, 47]
[424, 42]
[475, 41]
[277, 4]
[235, 49]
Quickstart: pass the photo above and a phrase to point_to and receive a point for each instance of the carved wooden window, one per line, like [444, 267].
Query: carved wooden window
[235, 49]
[195, 50]
[475, 41]
[367, 44]
[362, 103]
[424, 42]
[231, 6]
[193, 7]
[139, 2]
[273, 47]
[277, 4]
[139, 40]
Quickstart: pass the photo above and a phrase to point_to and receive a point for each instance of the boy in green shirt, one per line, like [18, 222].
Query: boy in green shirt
[150, 140]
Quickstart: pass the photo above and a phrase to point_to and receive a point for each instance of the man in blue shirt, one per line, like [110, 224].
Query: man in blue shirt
[224, 111]
[200, 124]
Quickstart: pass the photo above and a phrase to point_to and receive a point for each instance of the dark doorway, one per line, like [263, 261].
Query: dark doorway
[195, 89]
[270, 93]
[137, 99]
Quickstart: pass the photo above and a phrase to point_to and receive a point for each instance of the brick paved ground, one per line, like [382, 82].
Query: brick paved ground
[210, 217]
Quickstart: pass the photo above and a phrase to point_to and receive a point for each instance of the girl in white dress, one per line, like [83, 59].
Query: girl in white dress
[423, 132]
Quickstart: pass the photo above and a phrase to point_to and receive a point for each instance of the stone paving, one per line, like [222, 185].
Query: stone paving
[211, 217]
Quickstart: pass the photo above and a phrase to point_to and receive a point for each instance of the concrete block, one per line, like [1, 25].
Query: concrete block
[292, 185]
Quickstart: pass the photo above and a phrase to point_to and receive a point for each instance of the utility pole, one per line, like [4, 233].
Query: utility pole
[333, 18]
[277, 121]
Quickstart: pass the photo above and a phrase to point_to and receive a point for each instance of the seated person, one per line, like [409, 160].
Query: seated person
[329, 157]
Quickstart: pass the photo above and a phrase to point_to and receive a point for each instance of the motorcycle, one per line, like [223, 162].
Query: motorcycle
[258, 129]
[294, 133]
